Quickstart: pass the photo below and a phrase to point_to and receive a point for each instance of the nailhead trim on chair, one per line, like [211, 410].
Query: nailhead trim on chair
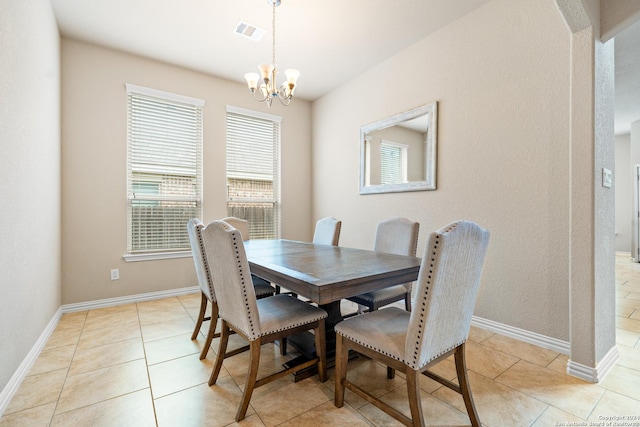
[367, 345]
[424, 302]
[243, 282]
[204, 261]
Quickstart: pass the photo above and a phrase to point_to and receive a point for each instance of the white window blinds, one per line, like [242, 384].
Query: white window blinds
[253, 171]
[393, 163]
[164, 169]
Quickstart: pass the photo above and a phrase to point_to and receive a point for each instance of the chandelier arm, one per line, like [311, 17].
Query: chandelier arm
[253, 94]
[284, 101]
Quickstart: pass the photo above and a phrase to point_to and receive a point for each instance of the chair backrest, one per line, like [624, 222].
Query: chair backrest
[242, 225]
[194, 228]
[448, 285]
[397, 236]
[231, 277]
[327, 231]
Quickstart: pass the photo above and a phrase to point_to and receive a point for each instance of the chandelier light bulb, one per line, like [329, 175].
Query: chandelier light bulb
[252, 81]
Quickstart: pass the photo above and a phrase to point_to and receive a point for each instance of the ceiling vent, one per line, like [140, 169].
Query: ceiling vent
[249, 31]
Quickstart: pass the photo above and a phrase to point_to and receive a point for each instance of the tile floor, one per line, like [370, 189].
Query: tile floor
[135, 365]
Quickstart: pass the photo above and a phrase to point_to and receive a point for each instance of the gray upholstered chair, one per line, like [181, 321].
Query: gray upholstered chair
[396, 236]
[207, 295]
[438, 326]
[263, 287]
[327, 231]
[259, 321]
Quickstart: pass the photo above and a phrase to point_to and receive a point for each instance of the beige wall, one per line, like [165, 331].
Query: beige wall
[94, 167]
[29, 178]
[503, 152]
[616, 15]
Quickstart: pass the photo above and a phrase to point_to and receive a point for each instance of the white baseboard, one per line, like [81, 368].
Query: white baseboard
[129, 299]
[522, 335]
[587, 373]
[597, 374]
[12, 386]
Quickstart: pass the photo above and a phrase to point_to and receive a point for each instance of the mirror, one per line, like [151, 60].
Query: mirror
[398, 153]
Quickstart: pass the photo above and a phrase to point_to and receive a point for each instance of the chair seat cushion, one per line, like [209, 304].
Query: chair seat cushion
[384, 331]
[282, 312]
[262, 287]
[392, 292]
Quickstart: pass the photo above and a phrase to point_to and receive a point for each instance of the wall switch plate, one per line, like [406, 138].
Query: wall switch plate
[115, 274]
[606, 178]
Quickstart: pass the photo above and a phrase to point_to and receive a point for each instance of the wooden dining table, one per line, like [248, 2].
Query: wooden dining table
[325, 275]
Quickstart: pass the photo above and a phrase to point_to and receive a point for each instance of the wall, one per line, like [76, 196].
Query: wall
[623, 184]
[616, 15]
[94, 167]
[29, 179]
[634, 149]
[503, 152]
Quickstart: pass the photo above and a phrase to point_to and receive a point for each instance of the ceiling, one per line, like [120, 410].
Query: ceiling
[328, 41]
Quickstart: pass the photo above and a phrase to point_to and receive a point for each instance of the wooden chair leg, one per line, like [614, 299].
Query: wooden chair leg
[283, 347]
[342, 357]
[251, 379]
[222, 349]
[212, 330]
[321, 351]
[465, 390]
[413, 388]
[203, 309]
[391, 373]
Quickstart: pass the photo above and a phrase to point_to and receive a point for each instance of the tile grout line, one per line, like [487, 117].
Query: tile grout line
[66, 377]
[146, 364]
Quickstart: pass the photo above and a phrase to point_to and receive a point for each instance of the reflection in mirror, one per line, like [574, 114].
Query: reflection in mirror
[398, 153]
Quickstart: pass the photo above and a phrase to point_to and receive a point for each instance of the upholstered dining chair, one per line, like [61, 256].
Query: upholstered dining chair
[327, 231]
[396, 236]
[207, 295]
[263, 287]
[259, 321]
[411, 342]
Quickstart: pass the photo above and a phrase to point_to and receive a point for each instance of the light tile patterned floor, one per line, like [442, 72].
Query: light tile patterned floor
[135, 365]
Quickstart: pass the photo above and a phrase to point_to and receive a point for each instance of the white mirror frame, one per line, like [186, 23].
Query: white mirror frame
[430, 151]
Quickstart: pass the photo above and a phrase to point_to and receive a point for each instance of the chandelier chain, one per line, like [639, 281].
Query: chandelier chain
[273, 35]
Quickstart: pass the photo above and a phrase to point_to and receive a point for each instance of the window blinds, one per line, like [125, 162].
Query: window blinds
[164, 172]
[392, 164]
[253, 172]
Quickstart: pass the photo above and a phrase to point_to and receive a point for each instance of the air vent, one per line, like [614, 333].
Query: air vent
[249, 31]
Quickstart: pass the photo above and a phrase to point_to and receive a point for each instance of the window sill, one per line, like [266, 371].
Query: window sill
[156, 256]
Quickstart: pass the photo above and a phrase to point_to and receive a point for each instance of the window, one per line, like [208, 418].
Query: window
[164, 170]
[393, 162]
[253, 171]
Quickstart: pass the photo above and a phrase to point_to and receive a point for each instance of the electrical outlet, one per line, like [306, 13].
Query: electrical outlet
[115, 274]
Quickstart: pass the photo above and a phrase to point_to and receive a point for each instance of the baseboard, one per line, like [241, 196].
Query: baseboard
[597, 374]
[129, 299]
[523, 335]
[12, 386]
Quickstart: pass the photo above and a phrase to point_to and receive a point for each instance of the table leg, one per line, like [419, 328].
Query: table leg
[305, 344]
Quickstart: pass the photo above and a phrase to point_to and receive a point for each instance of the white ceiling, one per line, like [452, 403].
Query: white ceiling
[328, 41]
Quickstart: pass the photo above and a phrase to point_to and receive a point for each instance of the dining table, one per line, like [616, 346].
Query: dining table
[325, 274]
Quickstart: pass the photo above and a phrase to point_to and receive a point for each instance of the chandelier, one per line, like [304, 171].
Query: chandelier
[268, 88]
